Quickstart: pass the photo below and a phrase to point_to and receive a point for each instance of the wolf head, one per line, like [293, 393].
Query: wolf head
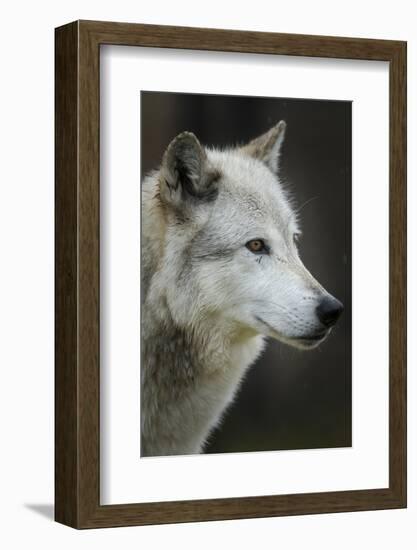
[230, 244]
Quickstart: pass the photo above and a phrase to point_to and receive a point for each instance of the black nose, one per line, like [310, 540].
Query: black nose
[329, 311]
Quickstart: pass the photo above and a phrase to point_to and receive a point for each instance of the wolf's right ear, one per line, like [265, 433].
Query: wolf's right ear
[185, 174]
[267, 146]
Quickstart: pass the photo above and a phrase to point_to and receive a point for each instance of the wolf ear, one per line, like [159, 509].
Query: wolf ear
[267, 146]
[185, 174]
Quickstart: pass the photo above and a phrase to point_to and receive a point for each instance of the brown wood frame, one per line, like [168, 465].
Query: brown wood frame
[77, 372]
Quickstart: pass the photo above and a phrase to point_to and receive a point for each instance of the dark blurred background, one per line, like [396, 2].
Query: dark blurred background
[289, 399]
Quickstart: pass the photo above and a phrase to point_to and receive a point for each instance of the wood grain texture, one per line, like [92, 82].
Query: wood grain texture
[78, 285]
[398, 273]
[66, 237]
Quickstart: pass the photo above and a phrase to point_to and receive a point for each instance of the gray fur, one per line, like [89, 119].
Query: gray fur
[208, 302]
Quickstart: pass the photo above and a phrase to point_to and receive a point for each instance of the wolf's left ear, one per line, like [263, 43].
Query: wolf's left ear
[267, 146]
[186, 174]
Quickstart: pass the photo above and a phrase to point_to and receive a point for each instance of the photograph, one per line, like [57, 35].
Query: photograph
[246, 284]
[230, 276]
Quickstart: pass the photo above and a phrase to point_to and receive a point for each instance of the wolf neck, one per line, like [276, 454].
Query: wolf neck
[189, 377]
[205, 347]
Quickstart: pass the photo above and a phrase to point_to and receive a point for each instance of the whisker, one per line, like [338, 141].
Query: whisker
[298, 210]
[311, 199]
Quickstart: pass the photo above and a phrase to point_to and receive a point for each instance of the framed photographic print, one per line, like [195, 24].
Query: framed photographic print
[230, 274]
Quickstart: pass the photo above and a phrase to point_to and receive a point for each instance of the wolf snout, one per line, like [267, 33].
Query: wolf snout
[329, 310]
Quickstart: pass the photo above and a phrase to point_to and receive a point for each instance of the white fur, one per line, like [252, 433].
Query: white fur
[208, 300]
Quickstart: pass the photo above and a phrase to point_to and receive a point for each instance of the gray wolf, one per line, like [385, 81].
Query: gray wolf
[220, 273]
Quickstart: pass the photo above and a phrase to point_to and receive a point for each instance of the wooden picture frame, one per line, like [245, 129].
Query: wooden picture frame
[77, 375]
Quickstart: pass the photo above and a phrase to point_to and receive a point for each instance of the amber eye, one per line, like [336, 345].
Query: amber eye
[257, 246]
